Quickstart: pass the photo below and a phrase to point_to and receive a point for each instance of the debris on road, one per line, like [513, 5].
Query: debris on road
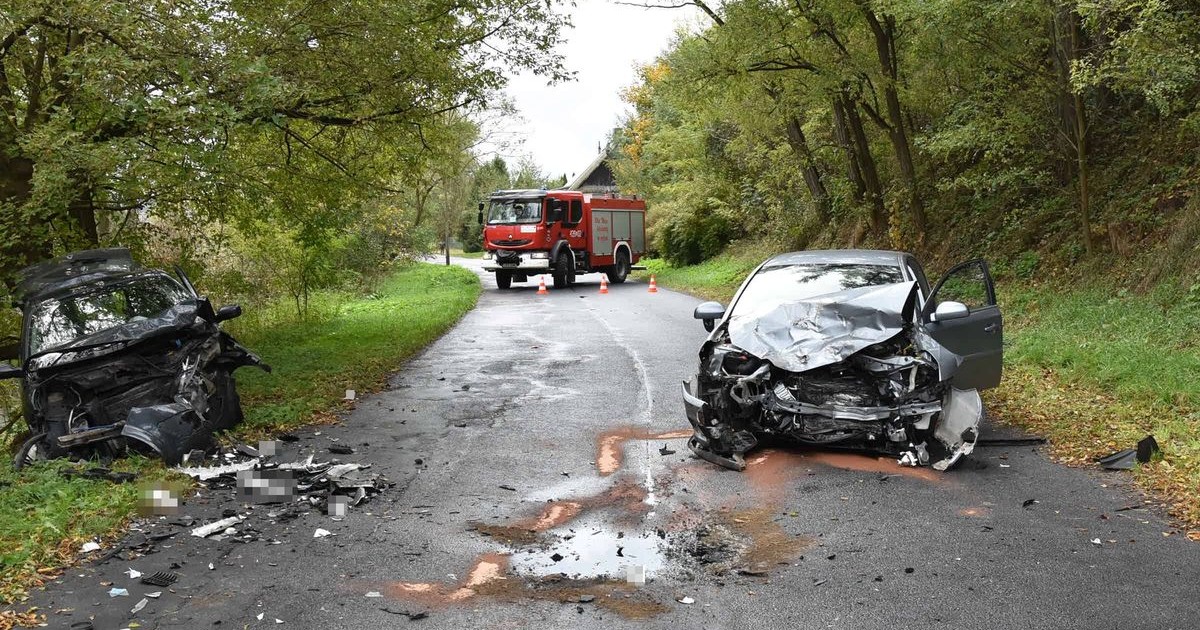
[89, 547]
[664, 451]
[1125, 459]
[162, 578]
[137, 608]
[350, 395]
[1033, 441]
[686, 600]
[205, 531]
[118, 592]
[321, 533]
[133, 573]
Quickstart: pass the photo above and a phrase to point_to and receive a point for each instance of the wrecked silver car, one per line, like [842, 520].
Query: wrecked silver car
[116, 356]
[847, 349]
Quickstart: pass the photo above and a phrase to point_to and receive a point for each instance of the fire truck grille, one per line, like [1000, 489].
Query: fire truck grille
[513, 243]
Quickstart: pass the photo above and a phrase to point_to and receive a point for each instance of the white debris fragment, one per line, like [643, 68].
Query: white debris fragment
[373, 594]
[278, 621]
[133, 573]
[686, 600]
[117, 592]
[204, 473]
[206, 530]
[154, 595]
[349, 394]
[260, 616]
[89, 547]
[137, 608]
[321, 533]
[1097, 542]
[211, 567]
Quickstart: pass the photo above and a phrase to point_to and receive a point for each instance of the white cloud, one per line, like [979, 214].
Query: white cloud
[564, 123]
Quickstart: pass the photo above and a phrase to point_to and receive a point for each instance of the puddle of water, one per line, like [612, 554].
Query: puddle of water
[592, 552]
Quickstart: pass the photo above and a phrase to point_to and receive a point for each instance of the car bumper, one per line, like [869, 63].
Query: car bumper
[521, 263]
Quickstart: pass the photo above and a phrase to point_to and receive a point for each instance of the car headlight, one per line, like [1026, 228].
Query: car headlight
[540, 255]
[487, 255]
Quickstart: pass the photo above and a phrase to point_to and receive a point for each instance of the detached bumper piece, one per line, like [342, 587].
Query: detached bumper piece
[170, 430]
[715, 444]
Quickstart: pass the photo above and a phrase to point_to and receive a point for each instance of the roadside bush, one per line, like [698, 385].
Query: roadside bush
[688, 238]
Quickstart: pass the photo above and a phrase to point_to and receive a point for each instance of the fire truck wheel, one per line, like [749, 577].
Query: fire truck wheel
[563, 273]
[620, 270]
[503, 279]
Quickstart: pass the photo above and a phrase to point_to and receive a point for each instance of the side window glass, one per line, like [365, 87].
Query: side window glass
[576, 211]
[967, 284]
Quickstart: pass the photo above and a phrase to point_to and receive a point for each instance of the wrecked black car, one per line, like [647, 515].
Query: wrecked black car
[115, 356]
[847, 349]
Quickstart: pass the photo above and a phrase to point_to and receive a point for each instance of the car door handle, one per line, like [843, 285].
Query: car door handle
[993, 327]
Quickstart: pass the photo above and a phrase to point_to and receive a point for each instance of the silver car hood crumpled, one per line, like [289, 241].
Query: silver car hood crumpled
[825, 329]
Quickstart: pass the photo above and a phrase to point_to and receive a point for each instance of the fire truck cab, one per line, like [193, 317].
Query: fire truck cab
[561, 232]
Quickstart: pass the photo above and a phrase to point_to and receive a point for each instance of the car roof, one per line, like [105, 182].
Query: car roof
[838, 256]
[75, 270]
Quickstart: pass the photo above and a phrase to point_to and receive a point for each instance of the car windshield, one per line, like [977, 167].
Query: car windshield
[57, 322]
[515, 211]
[773, 286]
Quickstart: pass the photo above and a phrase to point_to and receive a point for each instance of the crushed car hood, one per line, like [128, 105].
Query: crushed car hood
[823, 330]
[177, 318]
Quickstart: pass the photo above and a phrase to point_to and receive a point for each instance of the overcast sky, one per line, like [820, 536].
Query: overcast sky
[563, 123]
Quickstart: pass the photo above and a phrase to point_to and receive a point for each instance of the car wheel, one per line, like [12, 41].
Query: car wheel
[31, 452]
[503, 279]
[564, 271]
[620, 269]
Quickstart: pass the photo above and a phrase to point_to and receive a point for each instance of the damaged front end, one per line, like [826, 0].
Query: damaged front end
[844, 371]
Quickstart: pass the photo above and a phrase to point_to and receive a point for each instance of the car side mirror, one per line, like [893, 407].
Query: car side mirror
[480, 216]
[227, 312]
[709, 312]
[8, 371]
[949, 310]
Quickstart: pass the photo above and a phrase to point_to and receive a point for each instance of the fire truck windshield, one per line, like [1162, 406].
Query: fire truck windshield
[515, 211]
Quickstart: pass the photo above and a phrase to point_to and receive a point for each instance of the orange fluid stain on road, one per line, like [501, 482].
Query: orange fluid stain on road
[488, 568]
[611, 445]
[975, 512]
[772, 464]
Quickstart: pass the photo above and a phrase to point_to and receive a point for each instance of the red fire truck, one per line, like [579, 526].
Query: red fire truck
[563, 232]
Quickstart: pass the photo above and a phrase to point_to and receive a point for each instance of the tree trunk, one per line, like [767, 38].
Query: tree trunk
[808, 167]
[842, 134]
[866, 164]
[1066, 34]
[885, 49]
[20, 246]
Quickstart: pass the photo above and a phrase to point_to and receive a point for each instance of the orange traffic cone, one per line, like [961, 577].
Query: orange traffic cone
[603, 285]
[542, 285]
[653, 287]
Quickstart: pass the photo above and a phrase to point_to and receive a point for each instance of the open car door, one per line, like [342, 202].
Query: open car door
[974, 336]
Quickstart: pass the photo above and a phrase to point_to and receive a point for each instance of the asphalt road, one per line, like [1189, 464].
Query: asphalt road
[525, 444]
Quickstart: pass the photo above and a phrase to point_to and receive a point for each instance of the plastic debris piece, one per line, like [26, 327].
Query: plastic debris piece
[1125, 459]
[373, 594]
[206, 530]
[133, 573]
[89, 547]
[350, 394]
[340, 449]
[1097, 542]
[154, 595]
[260, 616]
[204, 473]
[211, 567]
[664, 451]
[321, 533]
[137, 608]
[117, 592]
[686, 600]
[162, 578]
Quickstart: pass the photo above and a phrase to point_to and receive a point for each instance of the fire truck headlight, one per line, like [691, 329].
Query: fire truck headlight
[487, 255]
[540, 255]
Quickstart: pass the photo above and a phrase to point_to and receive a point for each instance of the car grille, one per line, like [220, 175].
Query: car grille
[513, 243]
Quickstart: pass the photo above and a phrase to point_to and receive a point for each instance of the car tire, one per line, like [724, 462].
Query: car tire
[503, 280]
[620, 269]
[564, 271]
[31, 452]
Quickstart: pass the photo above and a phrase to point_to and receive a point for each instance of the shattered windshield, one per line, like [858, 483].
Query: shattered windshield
[58, 322]
[515, 211]
[773, 286]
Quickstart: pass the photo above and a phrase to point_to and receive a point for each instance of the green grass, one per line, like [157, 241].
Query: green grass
[1092, 368]
[348, 342]
[461, 254]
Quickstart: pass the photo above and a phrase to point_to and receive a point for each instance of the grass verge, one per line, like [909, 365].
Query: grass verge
[1091, 368]
[349, 342]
